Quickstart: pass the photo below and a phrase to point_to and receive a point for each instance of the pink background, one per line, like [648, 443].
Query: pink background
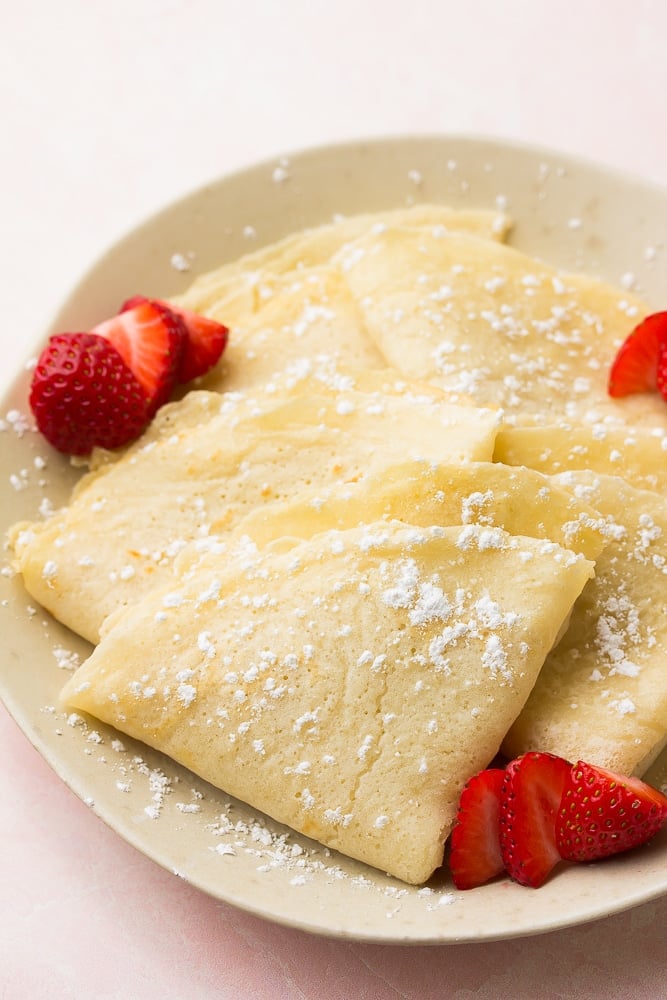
[110, 110]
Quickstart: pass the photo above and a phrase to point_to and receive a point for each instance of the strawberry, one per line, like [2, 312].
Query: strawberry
[530, 800]
[635, 367]
[83, 395]
[206, 338]
[475, 845]
[151, 341]
[661, 377]
[206, 341]
[603, 813]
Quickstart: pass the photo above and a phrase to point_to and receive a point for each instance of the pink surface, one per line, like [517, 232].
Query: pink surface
[109, 111]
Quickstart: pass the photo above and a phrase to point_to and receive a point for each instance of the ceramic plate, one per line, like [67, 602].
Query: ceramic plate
[573, 214]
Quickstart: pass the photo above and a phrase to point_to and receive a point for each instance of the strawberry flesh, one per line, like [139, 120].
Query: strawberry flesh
[83, 395]
[603, 813]
[205, 342]
[475, 856]
[151, 341]
[635, 367]
[530, 800]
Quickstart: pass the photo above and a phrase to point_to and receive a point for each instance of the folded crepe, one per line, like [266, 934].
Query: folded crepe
[235, 290]
[521, 501]
[602, 693]
[286, 302]
[130, 517]
[306, 315]
[480, 318]
[346, 686]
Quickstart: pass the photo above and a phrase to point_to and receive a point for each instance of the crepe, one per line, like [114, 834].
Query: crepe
[636, 454]
[307, 315]
[129, 518]
[308, 377]
[235, 290]
[602, 693]
[482, 319]
[348, 686]
[521, 501]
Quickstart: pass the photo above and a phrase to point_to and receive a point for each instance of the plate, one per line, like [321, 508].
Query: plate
[575, 215]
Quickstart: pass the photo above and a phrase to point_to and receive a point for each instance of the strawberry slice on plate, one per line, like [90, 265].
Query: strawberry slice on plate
[475, 856]
[641, 362]
[603, 813]
[206, 339]
[83, 395]
[151, 341]
[530, 800]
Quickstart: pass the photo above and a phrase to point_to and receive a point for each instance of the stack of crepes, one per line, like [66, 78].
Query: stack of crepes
[401, 527]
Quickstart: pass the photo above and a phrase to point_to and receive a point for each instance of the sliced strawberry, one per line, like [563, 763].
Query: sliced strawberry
[134, 300]
[206, 338]
[83, 395]
[475, 840]
[604, 813]
[635, 366]
[530, 799]
[661, 377]
[151, 340]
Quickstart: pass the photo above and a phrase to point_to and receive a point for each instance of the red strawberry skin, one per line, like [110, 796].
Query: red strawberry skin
[530, 800]
[635, 367]
[475, 856]
[661, 377]
[151, 340]
[205, 341]
[83, 395]
[603, 813]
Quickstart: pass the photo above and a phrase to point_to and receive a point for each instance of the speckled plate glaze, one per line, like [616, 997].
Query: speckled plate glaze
[573, 214]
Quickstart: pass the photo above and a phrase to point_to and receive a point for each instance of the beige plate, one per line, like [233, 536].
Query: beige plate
[573, 214]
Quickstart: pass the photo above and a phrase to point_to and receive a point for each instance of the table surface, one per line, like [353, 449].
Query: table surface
[110, 110]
